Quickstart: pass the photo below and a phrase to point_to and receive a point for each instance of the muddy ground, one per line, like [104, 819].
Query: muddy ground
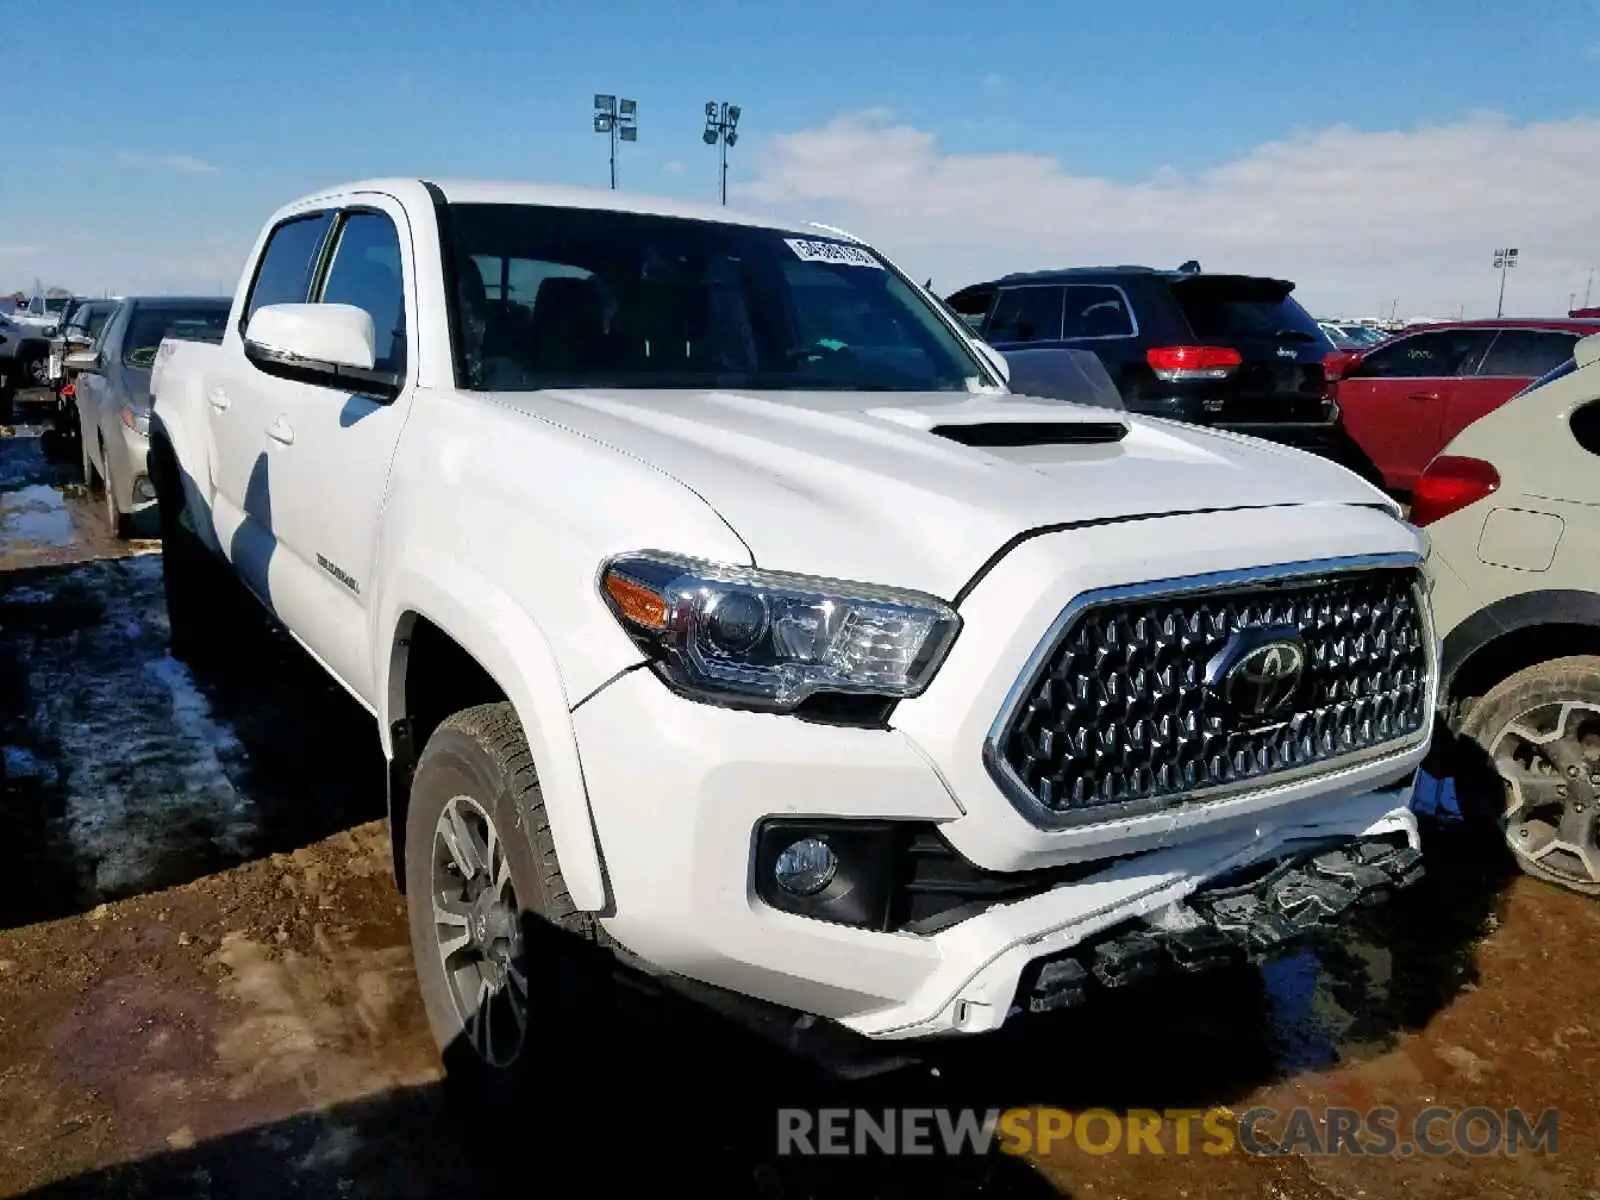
[206, 990]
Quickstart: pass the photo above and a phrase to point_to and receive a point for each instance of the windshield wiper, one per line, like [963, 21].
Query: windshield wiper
[1294, 335]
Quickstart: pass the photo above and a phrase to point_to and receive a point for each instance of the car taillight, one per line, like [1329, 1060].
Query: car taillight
[1448, 484]
[1173, 363]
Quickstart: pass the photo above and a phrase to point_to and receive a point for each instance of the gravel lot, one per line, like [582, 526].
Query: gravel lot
[205, 987]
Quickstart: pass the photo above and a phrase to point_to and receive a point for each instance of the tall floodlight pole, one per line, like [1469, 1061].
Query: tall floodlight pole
[722, 127]
[1504, 260]
[619, 121]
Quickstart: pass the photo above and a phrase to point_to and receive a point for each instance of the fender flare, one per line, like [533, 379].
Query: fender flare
[508, 643]
[1525, 610]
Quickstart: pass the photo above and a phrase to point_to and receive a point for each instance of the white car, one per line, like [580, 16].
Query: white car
[717, 605]
[1513, 508]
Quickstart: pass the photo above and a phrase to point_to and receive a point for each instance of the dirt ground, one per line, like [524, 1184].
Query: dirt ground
[206, 990]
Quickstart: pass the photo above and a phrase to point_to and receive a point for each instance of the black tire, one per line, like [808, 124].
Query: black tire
[118, 523]
[91, 477]
[477, 765]
[205, 607]
[1523, 782]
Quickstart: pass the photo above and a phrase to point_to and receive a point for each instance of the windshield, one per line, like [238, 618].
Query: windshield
[564, 297]
[1233, 308]
[148, 326]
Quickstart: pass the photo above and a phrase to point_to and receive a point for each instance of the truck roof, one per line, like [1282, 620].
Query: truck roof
[483, 191]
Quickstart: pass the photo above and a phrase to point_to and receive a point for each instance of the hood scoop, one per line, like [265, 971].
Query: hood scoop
[1010, 421]
[1034, 433]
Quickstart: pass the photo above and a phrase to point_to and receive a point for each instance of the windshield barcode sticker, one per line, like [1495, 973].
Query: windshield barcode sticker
[832, 252]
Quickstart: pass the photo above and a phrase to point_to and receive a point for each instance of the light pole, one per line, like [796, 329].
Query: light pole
[1504, 260]
[721, 123]
[618, 121]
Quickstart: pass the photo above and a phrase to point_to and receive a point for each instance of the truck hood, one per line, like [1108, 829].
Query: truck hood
[919, 490]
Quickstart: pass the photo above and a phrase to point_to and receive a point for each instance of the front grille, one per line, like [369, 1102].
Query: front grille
[1124, 712]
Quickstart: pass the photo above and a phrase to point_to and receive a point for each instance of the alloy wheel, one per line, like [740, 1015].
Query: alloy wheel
[1548, 758]
[477, 923]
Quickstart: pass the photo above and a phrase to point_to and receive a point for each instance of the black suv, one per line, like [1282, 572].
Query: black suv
[1232, 352]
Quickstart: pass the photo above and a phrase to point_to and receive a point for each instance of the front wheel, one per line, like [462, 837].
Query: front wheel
[506, 965]
[1539, 731]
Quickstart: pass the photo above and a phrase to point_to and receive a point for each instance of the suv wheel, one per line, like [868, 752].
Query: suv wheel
[507, 967]
[1540, 732]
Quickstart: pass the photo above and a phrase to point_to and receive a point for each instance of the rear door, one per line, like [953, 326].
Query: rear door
[1280, 378]
[1514, 360]
[1394, 401]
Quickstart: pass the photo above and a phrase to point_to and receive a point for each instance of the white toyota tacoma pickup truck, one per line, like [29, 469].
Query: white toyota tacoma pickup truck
[718, 606]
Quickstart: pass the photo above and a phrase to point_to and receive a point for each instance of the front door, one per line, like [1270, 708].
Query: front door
[330, 452]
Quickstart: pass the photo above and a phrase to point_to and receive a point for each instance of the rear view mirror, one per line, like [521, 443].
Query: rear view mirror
[312, 335]
[1341, 363]
[84, 362]
[327, 345]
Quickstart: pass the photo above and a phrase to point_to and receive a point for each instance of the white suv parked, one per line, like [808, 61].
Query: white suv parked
[716, 603]
[1513, 507]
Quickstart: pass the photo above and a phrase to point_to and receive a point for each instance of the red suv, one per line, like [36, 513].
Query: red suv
[1403, 400]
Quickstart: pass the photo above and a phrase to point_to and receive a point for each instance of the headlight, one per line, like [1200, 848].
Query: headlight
[770, 640]
[136, 419]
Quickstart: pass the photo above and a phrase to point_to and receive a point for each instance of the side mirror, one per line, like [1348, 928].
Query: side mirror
[1341, 363]
[995, 359]
[84, 362]
[328, 345]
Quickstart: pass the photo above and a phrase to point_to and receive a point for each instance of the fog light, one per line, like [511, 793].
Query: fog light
[806, 867]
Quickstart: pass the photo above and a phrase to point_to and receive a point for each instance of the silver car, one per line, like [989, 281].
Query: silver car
[113, 397]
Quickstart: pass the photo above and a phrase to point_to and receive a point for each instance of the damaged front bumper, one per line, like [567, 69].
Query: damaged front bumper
[1242, 896]
[1265, 915]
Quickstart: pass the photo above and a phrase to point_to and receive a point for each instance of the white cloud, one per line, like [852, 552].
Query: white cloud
[18, 250]
[172, 162]
[673, 168]
[1356, 218]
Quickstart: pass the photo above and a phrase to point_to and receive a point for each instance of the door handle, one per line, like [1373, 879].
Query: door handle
[219, 399]
[1423, 396]
[279, 431]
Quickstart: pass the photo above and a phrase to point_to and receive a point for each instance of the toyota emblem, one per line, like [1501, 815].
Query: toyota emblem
[1259, 670]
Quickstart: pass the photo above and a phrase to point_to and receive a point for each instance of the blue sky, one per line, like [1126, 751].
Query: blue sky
[185, 124]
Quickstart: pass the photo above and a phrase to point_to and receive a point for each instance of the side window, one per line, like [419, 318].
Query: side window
[1527, 353]
[1095, 311]
[366, 271]
[283, 275]
[1585, 424]
[1027, 314]
[1437, 355]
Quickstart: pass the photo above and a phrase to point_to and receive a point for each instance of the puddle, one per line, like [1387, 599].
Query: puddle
[144, 767]
[35, 515]
[125, 772]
